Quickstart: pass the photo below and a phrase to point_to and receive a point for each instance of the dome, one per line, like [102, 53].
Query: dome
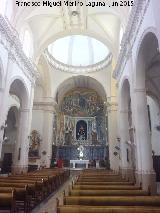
[78, 50]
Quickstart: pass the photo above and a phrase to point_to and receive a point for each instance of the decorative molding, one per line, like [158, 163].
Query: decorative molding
[45, 106]
[142, 90]
[112, 106]
[24, 110]
[77, 69]
[123, 111]
[10, 41]
[134, 23]
[145, 172]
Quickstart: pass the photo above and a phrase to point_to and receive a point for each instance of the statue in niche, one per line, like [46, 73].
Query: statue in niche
[94, 137]
[68, 136]
[81, 133]
[34, 145]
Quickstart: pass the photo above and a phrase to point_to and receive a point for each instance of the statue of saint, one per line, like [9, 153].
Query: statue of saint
[94, 137]
[34, 145]
[81, 150]
[81, 133]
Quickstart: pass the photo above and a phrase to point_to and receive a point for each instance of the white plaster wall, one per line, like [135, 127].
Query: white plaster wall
[155, 120]
[3, 60]
[38, 93]
[148, 24]
[9, 145]
[156, 9]
[42, 121]
[7, 148]
[129, 71]
[9, 9]
[11, 72]
[13, 101]
[38, 121]
[103, 77]
[17, 73]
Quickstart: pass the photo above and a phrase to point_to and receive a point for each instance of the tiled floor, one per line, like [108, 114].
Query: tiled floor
[49, 205]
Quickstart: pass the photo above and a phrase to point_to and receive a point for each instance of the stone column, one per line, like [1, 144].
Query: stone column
[2, 122]
[112, 135]
[126, 166]
[3, 114]
[1, 93]
[4, 96]
[47, 138]
[20, 162]
[44, 110]
[145, 172]
[123, 131]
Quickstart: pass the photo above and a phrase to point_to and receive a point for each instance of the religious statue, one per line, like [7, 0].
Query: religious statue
[94, 137]
[81, 133]
[34, 144]
[81, 150]
[68, 136]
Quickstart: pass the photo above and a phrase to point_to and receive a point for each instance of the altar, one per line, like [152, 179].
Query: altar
[86, 162]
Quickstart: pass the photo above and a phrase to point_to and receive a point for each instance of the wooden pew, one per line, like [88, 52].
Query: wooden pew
[46, 182]
[7, 201]
[106, 209]
[35, 190]
[21, 196]
[103, 183]
[108, 193]
[112, 200]
[94, 176]
[101, 179]
[107, 187]
[24, 194]
[39, 185]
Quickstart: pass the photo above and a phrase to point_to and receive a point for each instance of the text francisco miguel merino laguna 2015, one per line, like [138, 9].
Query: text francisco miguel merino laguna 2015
[73, 3]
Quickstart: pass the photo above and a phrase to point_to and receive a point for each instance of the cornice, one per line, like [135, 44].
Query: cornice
[134, 23]
[45, 105]
[10, 41]
[77, 69]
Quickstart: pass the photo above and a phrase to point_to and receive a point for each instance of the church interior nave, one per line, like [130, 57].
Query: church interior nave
[80, 98]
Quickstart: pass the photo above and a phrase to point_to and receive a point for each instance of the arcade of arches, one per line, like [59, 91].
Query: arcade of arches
[85, 86]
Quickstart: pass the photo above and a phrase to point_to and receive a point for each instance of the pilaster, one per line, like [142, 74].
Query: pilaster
[112, 134]
[145, 172]
[20, 162]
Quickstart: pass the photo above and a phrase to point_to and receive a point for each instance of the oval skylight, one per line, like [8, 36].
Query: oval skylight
[78, 50]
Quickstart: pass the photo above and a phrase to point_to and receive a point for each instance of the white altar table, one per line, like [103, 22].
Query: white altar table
[86, 162]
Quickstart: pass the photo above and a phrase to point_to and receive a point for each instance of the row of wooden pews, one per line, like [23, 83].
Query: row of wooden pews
[101, 191]
[21, 193]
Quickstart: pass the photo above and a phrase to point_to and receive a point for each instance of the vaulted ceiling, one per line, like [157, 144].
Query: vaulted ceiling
[47, 24]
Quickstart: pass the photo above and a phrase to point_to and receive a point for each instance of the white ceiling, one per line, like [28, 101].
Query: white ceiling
[48, 24]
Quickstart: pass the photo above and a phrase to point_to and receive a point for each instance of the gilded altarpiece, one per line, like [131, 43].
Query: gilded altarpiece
[81, 122]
